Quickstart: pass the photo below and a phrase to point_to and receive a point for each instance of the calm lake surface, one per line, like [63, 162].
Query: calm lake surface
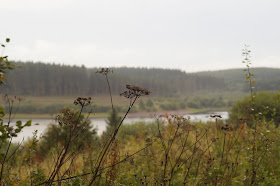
[100, 123]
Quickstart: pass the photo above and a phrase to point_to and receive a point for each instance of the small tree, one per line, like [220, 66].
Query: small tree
[112, 122]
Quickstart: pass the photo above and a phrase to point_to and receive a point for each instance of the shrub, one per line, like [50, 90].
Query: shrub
[56, 135]
[264, 108]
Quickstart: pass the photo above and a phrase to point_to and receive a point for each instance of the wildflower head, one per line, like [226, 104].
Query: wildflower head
[83, 101]
[104, 71]
[134, 91]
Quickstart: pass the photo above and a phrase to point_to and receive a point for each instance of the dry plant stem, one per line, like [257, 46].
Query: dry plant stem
[266, 149]
[4, 161]
[85, 174]
[63, 153]
[246, 53]
[178, 159]
[167, 152]
[10, 103]
[197, 169]
[71, 164]
[193, 145]
[222, 159]
[104, 151]
[231, 146]
[235, 163]
[110, 92]
[194, 151]
[19, 145]
[199, 156]
[208, 144]
[221, 163]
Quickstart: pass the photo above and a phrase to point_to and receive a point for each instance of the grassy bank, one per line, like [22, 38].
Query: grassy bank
[47, 107]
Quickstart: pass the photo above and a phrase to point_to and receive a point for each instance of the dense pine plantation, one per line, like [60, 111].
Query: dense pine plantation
[39, 79]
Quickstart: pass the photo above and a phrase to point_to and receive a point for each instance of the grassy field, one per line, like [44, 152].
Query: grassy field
[49, 106]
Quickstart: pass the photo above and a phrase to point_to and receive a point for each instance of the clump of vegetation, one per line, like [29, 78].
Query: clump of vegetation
[266, 108]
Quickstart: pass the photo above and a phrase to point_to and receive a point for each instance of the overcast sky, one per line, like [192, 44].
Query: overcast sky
[180, 34]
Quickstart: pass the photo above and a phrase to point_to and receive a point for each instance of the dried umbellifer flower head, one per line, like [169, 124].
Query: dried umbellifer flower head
[135, 91]
[83, 101]
[104, 71]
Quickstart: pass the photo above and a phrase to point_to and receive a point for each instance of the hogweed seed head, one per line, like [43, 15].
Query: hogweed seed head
[83, 101]
[135, 91]
[104, 71]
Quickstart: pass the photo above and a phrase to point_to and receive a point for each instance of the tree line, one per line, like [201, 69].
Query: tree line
[40, 79]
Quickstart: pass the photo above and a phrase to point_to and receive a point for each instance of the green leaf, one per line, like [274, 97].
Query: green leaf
[2, 45]
[28, 123]
[7, 40]
[18, 123]
[247, 78]
[1, 59]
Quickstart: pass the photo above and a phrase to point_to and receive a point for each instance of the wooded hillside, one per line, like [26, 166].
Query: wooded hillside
[39, 79]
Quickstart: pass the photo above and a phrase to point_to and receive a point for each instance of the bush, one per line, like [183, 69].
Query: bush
[57, 135]
[264, 109]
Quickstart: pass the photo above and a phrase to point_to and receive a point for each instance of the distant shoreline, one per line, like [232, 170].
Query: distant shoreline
[142, 114]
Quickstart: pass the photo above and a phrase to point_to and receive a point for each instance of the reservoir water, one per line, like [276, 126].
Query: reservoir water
[100, 123]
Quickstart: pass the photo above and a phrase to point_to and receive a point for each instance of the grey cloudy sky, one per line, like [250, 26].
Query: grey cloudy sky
[182, 34]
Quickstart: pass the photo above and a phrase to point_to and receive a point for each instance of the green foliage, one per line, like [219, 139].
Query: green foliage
[38, 176]
[5, 65]
[58, 135]
[206, 102]
[113, 120]
[264, 107]
[74, 182]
